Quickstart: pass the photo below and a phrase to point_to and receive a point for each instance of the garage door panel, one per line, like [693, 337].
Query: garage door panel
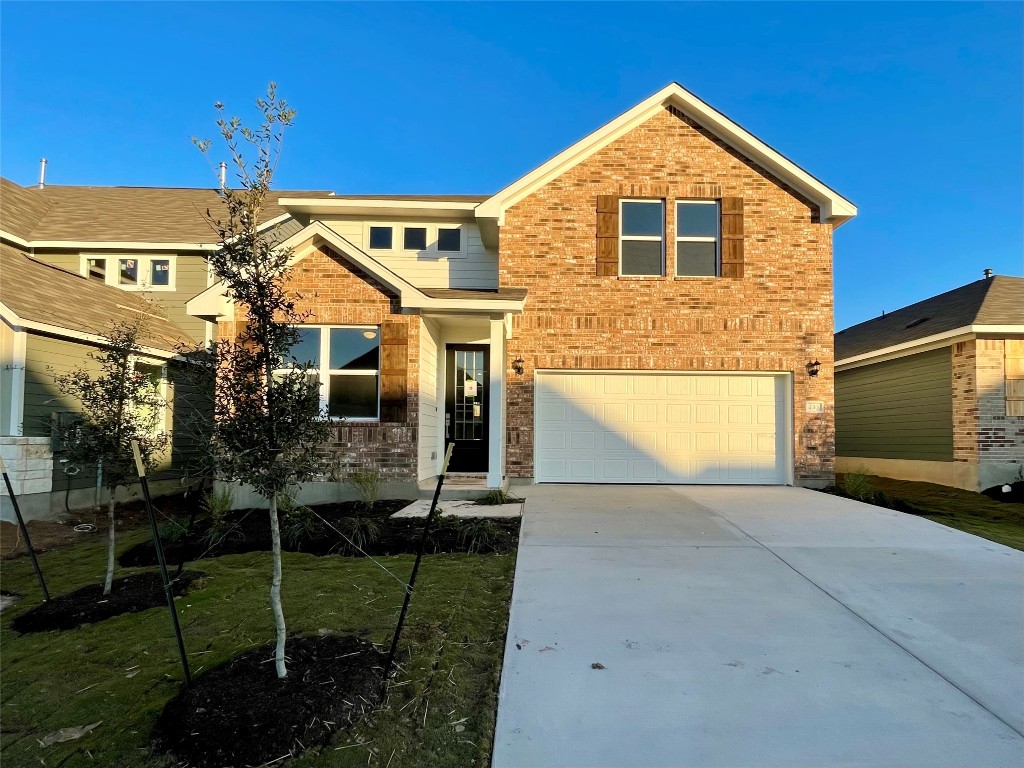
[660, 428]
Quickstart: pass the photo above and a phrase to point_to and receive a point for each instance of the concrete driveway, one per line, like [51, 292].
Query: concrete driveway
[756, 627]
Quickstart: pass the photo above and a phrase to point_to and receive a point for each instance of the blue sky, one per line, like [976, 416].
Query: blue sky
[913, 111]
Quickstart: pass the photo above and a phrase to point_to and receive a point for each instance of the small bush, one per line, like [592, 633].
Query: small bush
[299, 525]
[368, 484]
[358, 533]
[857, 486]
[218, 503]
[478, 535]
[174, 530]
[496, 497]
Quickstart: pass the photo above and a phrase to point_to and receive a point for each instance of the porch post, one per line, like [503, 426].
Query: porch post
[495, 451]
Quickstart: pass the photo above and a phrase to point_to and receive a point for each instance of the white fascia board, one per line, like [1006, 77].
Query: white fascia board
[5, 235]
[119, 245]
[927, 343]
[434, 209]
[834, 207]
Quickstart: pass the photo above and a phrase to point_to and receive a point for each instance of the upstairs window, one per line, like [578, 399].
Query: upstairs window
[697, 238]
[449, 240]
[415, 239]
[642, 238]
[132, 273]
[381, 238]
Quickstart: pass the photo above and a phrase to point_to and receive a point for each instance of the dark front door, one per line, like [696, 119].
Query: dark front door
[466, 405]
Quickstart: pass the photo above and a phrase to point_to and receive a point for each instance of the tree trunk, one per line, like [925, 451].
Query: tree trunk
[109, 580]
[275, 589]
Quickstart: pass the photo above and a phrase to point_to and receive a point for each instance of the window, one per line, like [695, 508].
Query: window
[156, 375]
[415, 239]
[641, 237]
[142, 273]
[449, 240]
[347, 361]
[381, 238]
[697, 238]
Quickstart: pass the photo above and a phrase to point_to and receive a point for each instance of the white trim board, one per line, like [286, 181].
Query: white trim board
[926, 344]
[834, 208]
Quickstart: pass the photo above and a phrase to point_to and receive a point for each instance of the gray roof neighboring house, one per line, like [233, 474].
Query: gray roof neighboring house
[40, 294]
[998, 300]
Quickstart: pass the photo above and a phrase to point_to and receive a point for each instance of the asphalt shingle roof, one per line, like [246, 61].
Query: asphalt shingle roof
[997, 300]
[38, 292]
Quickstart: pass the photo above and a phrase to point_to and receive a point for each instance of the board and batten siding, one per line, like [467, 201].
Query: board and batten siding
[475, 267]
[897, 409]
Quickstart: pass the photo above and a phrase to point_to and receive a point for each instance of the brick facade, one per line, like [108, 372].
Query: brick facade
[334, 292]
[778, 317]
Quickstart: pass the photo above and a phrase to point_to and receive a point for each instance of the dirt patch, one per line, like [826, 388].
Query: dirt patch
[130, 594]
[240, 713]
[1014, 496]
[323, 531]
[55, 534]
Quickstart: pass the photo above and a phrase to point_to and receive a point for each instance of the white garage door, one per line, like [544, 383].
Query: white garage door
[660, 428]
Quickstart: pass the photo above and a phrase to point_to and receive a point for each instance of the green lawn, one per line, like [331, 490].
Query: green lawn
[122, 671]
[964, 510]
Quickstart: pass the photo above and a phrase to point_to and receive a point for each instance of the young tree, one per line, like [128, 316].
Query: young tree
[268, 427]
[120, 402]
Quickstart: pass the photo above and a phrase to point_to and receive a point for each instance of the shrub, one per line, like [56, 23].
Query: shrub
[219, 503]
[496, 497]
[299, 525]
[857, 485]
[368, 484]
[174, 530]
[478, 535]
[358, 533]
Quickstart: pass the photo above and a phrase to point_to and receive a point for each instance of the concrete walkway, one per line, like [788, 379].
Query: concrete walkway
[756, 626]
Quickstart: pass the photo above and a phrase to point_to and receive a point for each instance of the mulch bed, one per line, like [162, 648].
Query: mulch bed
[395, 536]
[130, 594]
[241, 714]
[1015, 496]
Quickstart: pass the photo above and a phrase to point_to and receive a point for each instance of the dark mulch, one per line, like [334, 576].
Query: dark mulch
[251, 533]
[130, 594]
[1015, 496]
[241, 714]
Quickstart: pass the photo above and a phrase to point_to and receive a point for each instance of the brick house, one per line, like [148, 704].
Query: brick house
[652, 305]
[934, 391]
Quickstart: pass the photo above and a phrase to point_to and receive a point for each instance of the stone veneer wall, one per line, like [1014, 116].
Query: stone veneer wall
[778, 317]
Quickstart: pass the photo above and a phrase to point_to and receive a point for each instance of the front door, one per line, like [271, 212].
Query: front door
[466, 405]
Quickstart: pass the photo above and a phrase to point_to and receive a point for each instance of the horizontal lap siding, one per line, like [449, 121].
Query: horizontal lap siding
[899, 409]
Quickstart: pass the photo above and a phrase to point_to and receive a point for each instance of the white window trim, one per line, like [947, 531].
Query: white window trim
[324, 373]
[717, 239]
[643, 238]
[145, 269]
[431, 251]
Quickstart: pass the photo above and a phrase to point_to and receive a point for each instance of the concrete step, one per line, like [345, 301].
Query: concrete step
[458, 486]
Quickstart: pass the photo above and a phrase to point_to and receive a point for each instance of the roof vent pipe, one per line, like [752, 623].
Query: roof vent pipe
[988, 274]
[42, 172]
[223, 175]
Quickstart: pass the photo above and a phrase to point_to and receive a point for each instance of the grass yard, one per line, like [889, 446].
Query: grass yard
[963, 510]
[122, 671]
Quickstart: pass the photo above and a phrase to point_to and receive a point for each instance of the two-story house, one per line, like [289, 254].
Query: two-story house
[652, 305]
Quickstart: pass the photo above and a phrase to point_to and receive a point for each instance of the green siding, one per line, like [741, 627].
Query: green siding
[899, 409]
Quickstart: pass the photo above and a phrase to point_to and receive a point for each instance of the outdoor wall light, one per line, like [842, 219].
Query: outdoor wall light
[813, 368]
[517, 366]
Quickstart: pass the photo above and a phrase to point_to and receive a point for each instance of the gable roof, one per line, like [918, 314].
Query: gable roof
[45, 298]
[995, 301]
[834, 208]
[144, 215]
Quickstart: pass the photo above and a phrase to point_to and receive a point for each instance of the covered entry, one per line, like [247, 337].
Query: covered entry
[658, 427]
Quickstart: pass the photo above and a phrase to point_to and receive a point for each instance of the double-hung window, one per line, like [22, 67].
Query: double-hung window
[698, 240]
[642, 238]
[347, 361]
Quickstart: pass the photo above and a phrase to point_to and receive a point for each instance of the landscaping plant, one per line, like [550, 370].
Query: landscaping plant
[368, 484]
[119, 403]
[267, 424]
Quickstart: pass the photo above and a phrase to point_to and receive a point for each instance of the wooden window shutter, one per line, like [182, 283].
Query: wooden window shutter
[732, 237]
[607, 236]
[394, 364]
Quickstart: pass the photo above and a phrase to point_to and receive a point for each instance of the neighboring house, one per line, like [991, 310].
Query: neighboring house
[50, 322]
[652, 305]
[935, 391]
[75, 260]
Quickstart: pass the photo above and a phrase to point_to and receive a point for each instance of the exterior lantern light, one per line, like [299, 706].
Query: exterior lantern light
[517, 366]
[813, 369]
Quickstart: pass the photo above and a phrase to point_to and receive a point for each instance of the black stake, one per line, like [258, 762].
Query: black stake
[141, 468]
[416, 565]
[24, 530]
